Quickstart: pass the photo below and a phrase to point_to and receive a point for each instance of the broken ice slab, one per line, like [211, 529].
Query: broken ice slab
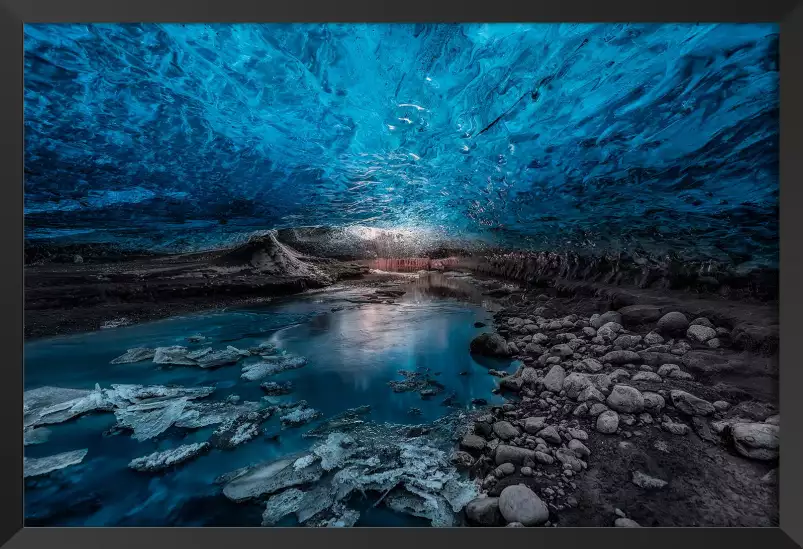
[203, 414]
[299, 416]
[212, 359]
[342, 421]
[175, 355]
[239, 429]
[49, 405]
[269, 478]
[34, 467]
[337, 516]
[39, 435]
[280, 505]
[137, 354]
[272, 365]
[159, 461]
[149, 420]
[431, 507]
[273, 388]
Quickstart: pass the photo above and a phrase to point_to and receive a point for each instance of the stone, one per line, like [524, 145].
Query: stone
[667, 369]
[518, 503]
[608, 422]
[596, 409]
[483, 429]
[653, 338]
[770, 478]
[579, 449]
[554, 379]
[527, 471]
[512, 454]
[626, 399]
[626, 523]
[533, 425]
[489, 344]
[578, 434]
[484, 511]
[561, 351]
[574, 384]
[672, 323]
[690, 404]
[504, 430]
[590, 394]
[544, 458]
[700, 334]
[591, 365]
[569, 460]
[774, 420]
[137, 354]
[721, 405]
[589, 331]
[605, 318]
[756, 440]
[550, 434]
[35, 467]
[702, 321]
[634, 315]
[621, 357]
[505, 469]
[647, 376]
[675, 428]
[159, 461]
[647, 482]
[714, 343]
[473, 442]
[529, 376]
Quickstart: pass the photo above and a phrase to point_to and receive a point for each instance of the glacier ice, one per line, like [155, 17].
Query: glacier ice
[158, 461]
[34, 467]
[553, 136]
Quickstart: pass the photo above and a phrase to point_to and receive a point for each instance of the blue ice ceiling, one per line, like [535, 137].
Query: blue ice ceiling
[606, 136]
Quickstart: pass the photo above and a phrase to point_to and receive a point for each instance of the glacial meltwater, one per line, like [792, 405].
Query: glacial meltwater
[353, 349]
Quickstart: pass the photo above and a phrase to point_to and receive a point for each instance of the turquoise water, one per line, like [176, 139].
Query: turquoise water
[352, 353]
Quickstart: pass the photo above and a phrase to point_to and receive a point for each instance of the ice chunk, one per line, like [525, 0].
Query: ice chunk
[273, 388]
[337, 516]
[137, 354]
[304, 461]
[158, 461]
[299, 417]
[335, 450]
[430, 507]
[151, 419]
[175, 355]
[35, 436]
[280, 505]
[340, 422]
[269, 478]
[203, 414]
[34, 467]
[239, 429]
[210, 359]
[272, 365]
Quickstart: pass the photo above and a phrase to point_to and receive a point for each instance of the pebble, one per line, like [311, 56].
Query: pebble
[520, 504]
[624, 398]
[608, 422]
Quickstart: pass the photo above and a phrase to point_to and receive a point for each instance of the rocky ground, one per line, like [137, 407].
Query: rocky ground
[641, 416]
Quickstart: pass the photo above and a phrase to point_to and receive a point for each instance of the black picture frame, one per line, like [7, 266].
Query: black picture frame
[14, 13]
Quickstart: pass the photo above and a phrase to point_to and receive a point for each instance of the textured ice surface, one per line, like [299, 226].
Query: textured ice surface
[158, 461]
[34, 467]
[272, 365]
[655, 136]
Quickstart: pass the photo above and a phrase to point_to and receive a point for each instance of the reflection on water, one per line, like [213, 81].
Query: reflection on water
[353, 350]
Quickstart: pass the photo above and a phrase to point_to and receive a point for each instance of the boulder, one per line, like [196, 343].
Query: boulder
[520, 504]
[488, 344]
[608, 422]
[512, 454]
[554, 379]
[756, 440]
[700, 333]
[574, 384]
[634, 315]
[690, 404]
[532, 425]
[626, 399]
[622, 357]
[603, 319]
[484, 511]
[672, 323]
[505, 431]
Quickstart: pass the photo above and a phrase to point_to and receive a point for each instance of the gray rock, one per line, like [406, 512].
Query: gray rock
[579, 449]
[569, 460]
[529, 376]
[603, 319]
[714, 343]
[512, 454]
[520, 504]
[472, 443]
[137, 354]
[484, 511]
[489, 344]
[554, 379]
[756, 440]
[672, 323]
[596, 409]
[590, 394]
[578, 434]
[647, 482]
[702, 321]
[35, 467]
[591, 365]
[626, 399]
[550, 434]
[505, 431]
[690, 404]
[589, 331]
[774, 420]
[647, 376]
[504, 470]
[574, 384]
[533, 425]
[626, 523]
[653, 338]
[675, 428]
[527, 471]
[700, 334]
[608, 422]
[462, 460]
[544, 458]
[159, 461]
[622, 357]
[667, 369]
[561, 351]
[634, 315]
[770, 478]
[721, 405]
